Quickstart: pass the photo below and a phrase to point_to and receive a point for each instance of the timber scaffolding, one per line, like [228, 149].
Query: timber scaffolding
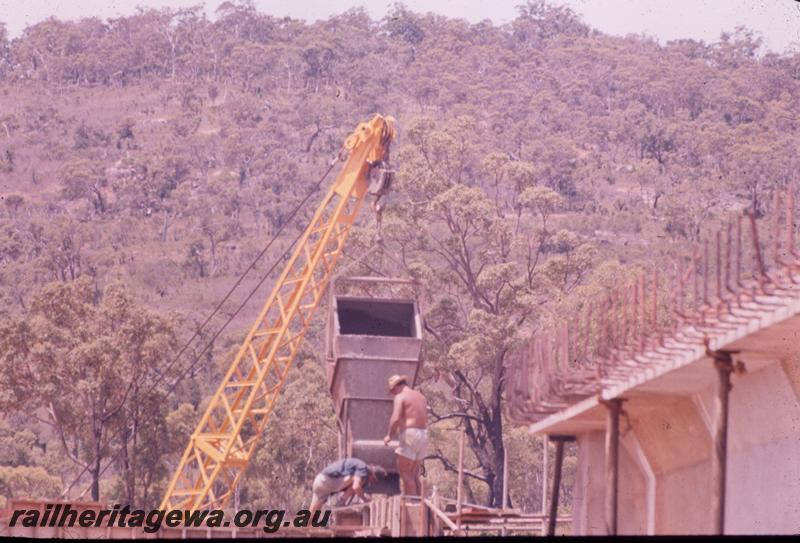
[433, 516]
[390, 516]
[720, 291]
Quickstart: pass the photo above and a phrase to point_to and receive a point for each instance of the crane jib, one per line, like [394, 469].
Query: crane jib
[227, 435]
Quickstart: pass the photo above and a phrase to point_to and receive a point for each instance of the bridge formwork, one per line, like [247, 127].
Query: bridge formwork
[682, 390]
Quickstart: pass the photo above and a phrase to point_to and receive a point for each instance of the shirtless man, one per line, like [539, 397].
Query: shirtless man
[408, 422]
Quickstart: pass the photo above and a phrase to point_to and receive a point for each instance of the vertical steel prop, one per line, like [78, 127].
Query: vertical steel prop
[459, 491]
[553, 517]
[423, 511]
[723, 363]
[614, 407]
[505, 485]
[545, 445]
[505, 478]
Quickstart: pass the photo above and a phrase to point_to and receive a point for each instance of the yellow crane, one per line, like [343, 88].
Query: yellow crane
[227, 434]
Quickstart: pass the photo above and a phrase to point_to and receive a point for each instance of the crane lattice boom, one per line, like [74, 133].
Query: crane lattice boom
[225, 439]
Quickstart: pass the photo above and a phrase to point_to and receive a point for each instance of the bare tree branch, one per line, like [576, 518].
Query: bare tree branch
[449, 416]
[449, 466]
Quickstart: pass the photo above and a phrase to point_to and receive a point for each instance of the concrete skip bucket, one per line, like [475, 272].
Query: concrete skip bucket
[370, 339]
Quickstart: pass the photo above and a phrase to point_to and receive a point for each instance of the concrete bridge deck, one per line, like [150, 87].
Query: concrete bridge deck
[771, 337]
[682, 392]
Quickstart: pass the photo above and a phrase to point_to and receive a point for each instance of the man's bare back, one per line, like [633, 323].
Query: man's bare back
[408, 422]
[414, 409]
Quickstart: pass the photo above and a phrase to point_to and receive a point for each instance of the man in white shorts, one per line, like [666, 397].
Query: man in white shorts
[348, 475]
[409, 422]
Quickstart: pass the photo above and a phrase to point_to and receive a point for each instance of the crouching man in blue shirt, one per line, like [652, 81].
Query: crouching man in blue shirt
[349, 475]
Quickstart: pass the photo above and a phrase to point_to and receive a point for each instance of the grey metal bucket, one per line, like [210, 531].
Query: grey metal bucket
[370, 340]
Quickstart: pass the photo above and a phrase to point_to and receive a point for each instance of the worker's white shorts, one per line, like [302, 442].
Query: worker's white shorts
[413, 443]
[324, 486]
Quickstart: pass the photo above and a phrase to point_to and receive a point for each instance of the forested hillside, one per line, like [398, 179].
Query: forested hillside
[146, 160]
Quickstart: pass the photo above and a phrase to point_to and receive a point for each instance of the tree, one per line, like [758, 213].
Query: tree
[471, 251]
[539, 21]
[13, 202]
[104, 350]
[4, 50]
[150, 437]
[58, 248]
[542, 200]
[82, 179]
[148, 182]
[289, 455]
[19, 446]
[402, 24]
[31, 483]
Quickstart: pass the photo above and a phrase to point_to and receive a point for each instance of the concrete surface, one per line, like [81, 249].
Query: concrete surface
[667, 438]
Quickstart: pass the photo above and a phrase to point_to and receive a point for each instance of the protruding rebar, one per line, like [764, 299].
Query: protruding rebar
[790, 222]
[776, 228]
[706, 301]
[762, 270]
[696, 276]
[655, 300]
[634, 324]
[643, 313]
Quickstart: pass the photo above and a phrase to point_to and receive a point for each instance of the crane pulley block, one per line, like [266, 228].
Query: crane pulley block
[380, 178]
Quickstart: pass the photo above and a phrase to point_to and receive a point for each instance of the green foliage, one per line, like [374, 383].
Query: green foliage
[28, 482]
[18, 446]
[538, 162]
[300, 440]
[79, 365]
[543, 200]
[490, 264]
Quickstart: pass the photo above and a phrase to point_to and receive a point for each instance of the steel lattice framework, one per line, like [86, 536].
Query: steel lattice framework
[227, 435]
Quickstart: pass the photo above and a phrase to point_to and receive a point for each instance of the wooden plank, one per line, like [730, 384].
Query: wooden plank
[413, 520]
[496, 527]
[441, 516]
[372, 531]
[395, 526]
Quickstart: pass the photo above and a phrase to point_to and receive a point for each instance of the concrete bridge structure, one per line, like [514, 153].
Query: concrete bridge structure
[681, 389]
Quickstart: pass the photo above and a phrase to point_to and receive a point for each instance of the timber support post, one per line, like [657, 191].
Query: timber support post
[504, 532]
[423, 511]
[612, 464]
[459, 489]
[559, 441]
[545, 473]
[723, 363]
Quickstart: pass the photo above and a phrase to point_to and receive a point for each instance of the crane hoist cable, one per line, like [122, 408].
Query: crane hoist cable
[199, 355]
[247, 298]
[219, 305]
[226, 437]
[380, 132]
[264, 277]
